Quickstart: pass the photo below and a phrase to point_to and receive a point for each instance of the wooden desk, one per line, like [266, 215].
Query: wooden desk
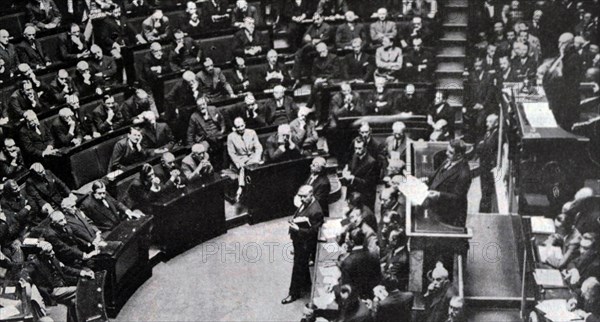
[90, 298]
[19, 295]
[127, 267]
[189, 216]
[271, 187]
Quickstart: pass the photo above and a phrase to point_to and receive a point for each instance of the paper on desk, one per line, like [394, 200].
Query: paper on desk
[330, 271]
[542, 225]
[10, 290]
[557, 310]
[539, 114]
[414, 190]
[8, 311]
[548, 277]
[563, 316]
[549, 252]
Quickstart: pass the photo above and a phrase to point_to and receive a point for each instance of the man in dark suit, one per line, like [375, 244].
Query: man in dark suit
[319, 181]
[390, 304]
[23, 98]
[73, 46]
[45, 189]
[61, 86]
[17, 201]
[381, 100]
[196, 165]
[206, 124]
[304, 132]
[441, 110]
[213, 82]
[104, 210]
[37, 143]
[506, 73]
[185, 53]
[478, 100]
[30, 50]
[8, 52]
[360, 174]
[154, 64]
[395, 263]
[325, 69]
[447, 196]
[587, 264]
[346, 33]
[280, 146]
[69, 249]
[351, 308]
[438, 295]
[240, 79]
[65, 129]
[487, 149]
[345, 103]
[248, 41]
[525, 65]
[360, 269]
[410, 103]
[282, 108]
[304, 239]
[128, 151]
[419, 61]
[156, 136]
[136, 104]
[11, 160]
[156, 27]
[107, 117]
[102, 67]
[357, 65]
[275, 73]
[114, 32]
[242, 11]
[215, 14]
[44, 14]
[82, 227]
[254, 115]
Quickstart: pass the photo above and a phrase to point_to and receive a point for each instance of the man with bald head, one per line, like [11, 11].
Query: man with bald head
[65, 129]
[85, 82]
[196, 165]
[169, 172]
[561, 82]
[304, 133]
[103, 67]
[45, 189]
[62, 86]
[304, 240]
[30, 50]
[8, 52]
[319, 181]
[275, 73]
[254, 115]
[280, 146]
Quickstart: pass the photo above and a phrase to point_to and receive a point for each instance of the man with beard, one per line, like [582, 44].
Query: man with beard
[69, 249]
[103, 67]
[441, 110]
[156, 136]
[62, 86]
[275, 73]
[242, 11]
[45, 189]
[248, 41]
[30, 50]
[196, 165]
[487, 149]
[11, 160]
[167, 171]
[318, 32]
[104, 210]
[206, 124]
[65, 130]
[213, 82]
[128, 151]
[37, 143]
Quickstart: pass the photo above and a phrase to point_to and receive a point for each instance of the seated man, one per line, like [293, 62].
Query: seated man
[360, 174]
[24, 98]
[128, 151]
[357, 65]
[185, 53]
[243, 148]
[382, 28]
[345, 103]
[156, 27]
[360, 268]
[43, 14]
[15, 201]
[587, 264]
[104, 210]
[86, 83]
[83, 229]
[394, 147]
[304, 133]
[240, 82]
[281, 108]
[8, 52]
[441, 110]
[11, 160]
[524, 65]
[254, 116]
[215, 15]
[65, 129]
[388, 59]
[191, 23]
[114, 33]
[318, 32]
[196, 164]
[207, 124]
[73, 46]
[30, 50]
[280, 146]
[410, 103]
[37, 143]
[138, 103]
[154, 64]
[438, 295]
[248, 41]
[332, 9]
[275, 73]
[45, 189]
[381, 101]
[213, 82]
[506, 74]
[107, 117]
[242, 11]
[156, 136]
[415, 30]
[62, 86]
[448, 187]
[396, 261]
[324, 70]
[69, 249]
[390, 304]
[420, 63]
[103, 67]
[349, 31]
[169, 171]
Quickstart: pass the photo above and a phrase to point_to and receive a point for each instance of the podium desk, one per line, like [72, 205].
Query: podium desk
[90, 299]
[127, 265]
[189, 216]
[271, 187]
[10, 290]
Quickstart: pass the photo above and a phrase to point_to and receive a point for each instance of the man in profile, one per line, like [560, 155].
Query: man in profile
[104, 210]
[303, 230]
[319, 181]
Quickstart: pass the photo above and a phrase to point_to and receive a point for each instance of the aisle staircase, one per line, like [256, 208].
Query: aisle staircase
[451, 55]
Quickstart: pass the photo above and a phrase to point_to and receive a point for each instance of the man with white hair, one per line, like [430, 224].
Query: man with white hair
[304, 133]
[281, 107]
[275, 73]
[103, 67]
[65, 129]
[254, 115]
[36, 142]
[394, 147]
[357, 66]
[85, 82]
[319, 181]
[30, 50]
[156, 136]
[196, 165]
[585, 209]
[280, 146]
[242, 11]
[156, 27]
[382, 28]
[8, 52]
[349, 31]
[248, 41]
[136, 104]
[184, 93]
[154, 64]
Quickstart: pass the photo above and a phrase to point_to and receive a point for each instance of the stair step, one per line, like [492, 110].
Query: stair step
[455, 35]
[452, 51]
[450, 67]
[454, 25]
[457, 17]
[450, 83]
[457, 3]
[455, 99]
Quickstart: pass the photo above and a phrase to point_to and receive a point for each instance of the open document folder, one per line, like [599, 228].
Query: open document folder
[414, 190]
[539, 114]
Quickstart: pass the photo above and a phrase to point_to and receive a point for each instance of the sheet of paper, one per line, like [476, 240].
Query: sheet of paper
[10, 290]
[414, 190]
[563, 316]
[549, 252]
[553, 305]
[324, 300]
[542, 225]
[30, 241]
[548, 277]
[539, 114]
[8, 311]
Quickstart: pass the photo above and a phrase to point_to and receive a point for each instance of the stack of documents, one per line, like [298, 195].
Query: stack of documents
[542, 225]
[414, 190]
[552, 252]
[539, 114]
[548, 277]
[332, 228]
[557, 310]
